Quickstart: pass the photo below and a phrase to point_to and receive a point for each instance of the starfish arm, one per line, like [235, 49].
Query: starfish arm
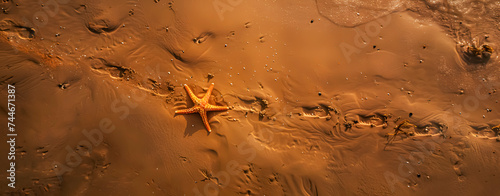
[216, 108]
[186, 111]
[209, 92]
[204, 117]
[191, 94]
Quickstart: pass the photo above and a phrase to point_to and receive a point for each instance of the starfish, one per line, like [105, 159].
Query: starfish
[201, 106]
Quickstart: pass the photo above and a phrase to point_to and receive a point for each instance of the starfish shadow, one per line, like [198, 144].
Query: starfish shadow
[196, 121]
[193, 120]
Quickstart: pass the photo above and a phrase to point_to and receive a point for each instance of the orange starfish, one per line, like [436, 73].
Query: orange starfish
[201, 106]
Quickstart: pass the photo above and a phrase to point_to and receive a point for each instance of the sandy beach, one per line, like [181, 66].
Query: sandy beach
[323, 97]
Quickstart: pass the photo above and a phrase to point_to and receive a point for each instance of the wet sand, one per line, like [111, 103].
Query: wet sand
[326, 98]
